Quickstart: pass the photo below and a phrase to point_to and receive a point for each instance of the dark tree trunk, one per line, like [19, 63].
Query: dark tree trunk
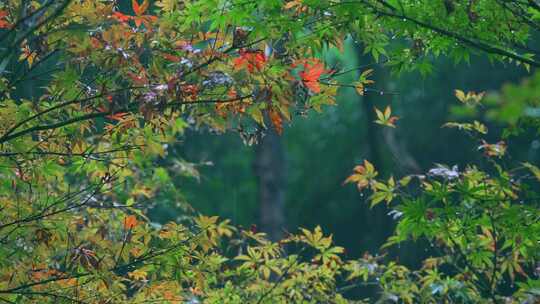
[270, 172]
[376, 225]
[373, 134]
[390, 156]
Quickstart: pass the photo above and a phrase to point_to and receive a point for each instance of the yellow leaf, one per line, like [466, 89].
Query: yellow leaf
[534, 170]
[256, 114]
[387, 112]
[369, 166]
[138, 274]
[405, 180]
[386, 118]
[379, 114]
[471, 98]
[292, 4]
[359, 89]
[167, 5]
[365, 74]
[266, 272]
[460, 95]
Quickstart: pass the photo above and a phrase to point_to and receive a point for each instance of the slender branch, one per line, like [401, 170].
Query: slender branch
[21, 20]
[84, 155]
[43, 214]
[108, 113]
[56, 107]
[48, 294]
[144, 258]
[279, 279]
[468, 41]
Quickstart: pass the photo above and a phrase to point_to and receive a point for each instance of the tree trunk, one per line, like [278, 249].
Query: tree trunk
[377, 226]
[270, 171]
[390, 156]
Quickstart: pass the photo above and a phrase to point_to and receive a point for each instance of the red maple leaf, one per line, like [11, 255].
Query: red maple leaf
[172, 58]
[121, 17]
[4, 23]
[311, 75]
[250, 59]
[113, 116]
[117, 116]
[139, 9]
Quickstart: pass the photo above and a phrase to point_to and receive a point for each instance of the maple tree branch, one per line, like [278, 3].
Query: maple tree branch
[57, 12]
[84, 155]
[475, 44]
[48, 294]
[144, 258]
[279, 279]
[56, 107]
[43, 213]
[93, 115]
[21, 20]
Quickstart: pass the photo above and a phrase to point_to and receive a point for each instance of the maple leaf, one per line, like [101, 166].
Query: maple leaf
[311, 74]
[363, 81]
[138, 79]
[4, 23]
[117, 116]
[190, 90]
[139, 9]
[172, 58]
[276, 120]
[291, 4]
[471, 98]
[121, 17]
[363, 175]
[144, 20]
[130, 222]
[138, 274]
[475, 126]
[250, 59]
[493, 150]
[28, 55]
[386, 118]
[296, 5]
[534, 169]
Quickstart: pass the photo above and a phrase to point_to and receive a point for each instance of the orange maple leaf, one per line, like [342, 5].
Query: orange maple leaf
[144, 20]
[130, 222]
[4, 23]
[117, 116]
[139, 9]
[276, 120]
[250, 59]
[311, 74]
[121, 17]
[172, 58]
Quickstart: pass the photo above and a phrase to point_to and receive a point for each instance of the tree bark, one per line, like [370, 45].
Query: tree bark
[270, 171]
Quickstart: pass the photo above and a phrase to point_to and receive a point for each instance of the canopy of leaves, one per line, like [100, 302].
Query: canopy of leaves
[94, 92]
